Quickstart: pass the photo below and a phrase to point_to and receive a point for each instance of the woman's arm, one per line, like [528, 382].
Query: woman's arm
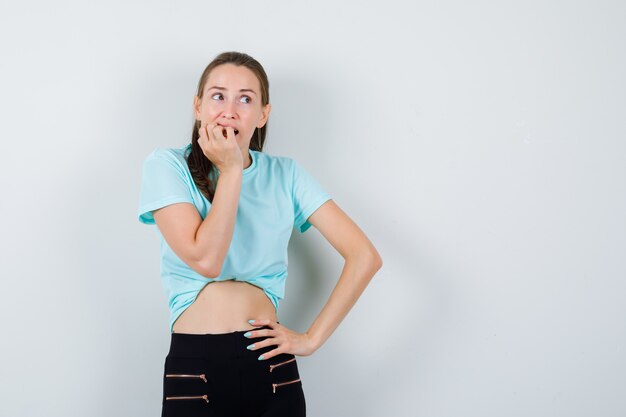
[362, 261]
[203, 244]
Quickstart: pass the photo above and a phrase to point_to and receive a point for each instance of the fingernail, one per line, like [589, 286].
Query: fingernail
[251, 347]
[250, 321]
[247, 334]
[261, 357]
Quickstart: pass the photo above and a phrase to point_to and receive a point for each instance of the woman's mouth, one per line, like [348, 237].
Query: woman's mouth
[226, 134]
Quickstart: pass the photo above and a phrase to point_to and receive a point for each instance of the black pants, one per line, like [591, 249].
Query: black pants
[216, 375]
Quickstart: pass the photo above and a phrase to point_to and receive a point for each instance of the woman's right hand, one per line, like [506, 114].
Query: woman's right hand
[223, 152]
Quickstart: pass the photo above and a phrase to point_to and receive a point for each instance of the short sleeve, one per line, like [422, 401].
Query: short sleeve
[163, 182]
[308, 195]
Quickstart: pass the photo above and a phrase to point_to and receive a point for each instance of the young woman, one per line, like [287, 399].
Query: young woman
[224, 212]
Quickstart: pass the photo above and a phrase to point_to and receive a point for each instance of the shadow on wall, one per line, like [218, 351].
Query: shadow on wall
[376, 349]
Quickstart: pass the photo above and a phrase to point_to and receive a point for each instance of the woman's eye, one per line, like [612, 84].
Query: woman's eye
[247, 97]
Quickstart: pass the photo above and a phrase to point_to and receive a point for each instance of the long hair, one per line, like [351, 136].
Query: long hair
[199, 165]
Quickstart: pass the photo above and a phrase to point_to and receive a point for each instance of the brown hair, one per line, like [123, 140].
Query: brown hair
[199, 165]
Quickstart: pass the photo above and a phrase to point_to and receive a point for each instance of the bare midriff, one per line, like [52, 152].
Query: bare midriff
[224, 307]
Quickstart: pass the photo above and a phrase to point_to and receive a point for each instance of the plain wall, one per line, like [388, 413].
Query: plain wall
[479, 145]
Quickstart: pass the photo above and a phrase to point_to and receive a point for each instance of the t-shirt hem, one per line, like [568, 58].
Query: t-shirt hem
[303, 224]
[146, 217]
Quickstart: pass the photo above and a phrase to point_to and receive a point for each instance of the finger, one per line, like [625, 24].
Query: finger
[218, 131]
[270, 354]
[230, 133]
[255, 334]
[210, 131]
[261, 343]
[262, 322]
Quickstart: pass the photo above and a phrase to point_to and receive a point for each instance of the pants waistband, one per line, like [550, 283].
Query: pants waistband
[211, 344]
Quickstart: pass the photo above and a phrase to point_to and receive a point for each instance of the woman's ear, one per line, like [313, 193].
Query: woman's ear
[196, 107]
[266, 114]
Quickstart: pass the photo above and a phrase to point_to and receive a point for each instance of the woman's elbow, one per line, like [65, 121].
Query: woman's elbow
[368, 257]
[377, 260]
[208, 268]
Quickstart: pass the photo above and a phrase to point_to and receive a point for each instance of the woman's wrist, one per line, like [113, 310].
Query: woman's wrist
[313, 342]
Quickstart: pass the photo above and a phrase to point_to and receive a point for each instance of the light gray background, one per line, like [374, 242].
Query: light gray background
[480, 146]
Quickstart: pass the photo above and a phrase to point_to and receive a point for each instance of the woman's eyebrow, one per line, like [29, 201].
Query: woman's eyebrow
[242, 90]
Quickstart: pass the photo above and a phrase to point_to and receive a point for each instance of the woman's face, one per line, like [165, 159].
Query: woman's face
[223, 102]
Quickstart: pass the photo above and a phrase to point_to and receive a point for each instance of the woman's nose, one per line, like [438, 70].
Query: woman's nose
[229, 109]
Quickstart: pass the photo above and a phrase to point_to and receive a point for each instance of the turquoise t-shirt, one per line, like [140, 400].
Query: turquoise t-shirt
[277, 194]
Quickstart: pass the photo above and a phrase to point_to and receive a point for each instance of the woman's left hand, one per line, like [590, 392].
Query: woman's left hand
[286, 340]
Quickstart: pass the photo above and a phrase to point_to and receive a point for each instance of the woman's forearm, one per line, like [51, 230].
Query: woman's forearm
[356, 274]
[215, 234]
